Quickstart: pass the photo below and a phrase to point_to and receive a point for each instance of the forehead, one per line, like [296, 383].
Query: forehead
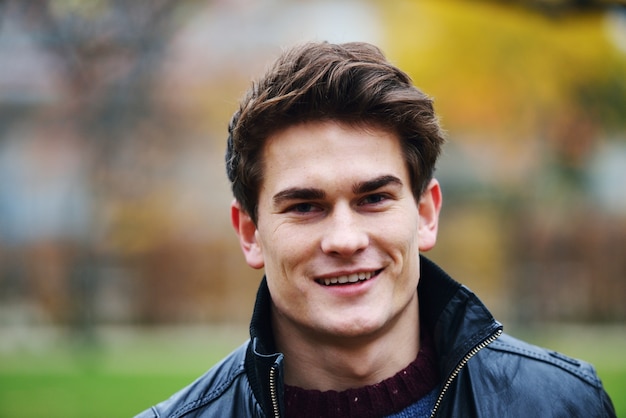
[329, 150]
[310, 134]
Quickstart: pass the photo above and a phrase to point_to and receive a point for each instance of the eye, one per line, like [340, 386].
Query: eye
[374, 199]
[303, 208]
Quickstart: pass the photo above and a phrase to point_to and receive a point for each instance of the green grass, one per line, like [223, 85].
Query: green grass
[615, 384]
[129, 370]
[82, 395]
[125, 372]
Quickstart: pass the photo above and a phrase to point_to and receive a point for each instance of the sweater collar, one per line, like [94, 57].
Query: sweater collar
[390, 396]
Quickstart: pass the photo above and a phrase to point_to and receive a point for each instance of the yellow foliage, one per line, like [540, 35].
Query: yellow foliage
[493, 67]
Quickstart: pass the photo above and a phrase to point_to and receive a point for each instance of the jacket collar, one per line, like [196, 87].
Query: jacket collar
[262, 355]
[450, 312]
[453, 315]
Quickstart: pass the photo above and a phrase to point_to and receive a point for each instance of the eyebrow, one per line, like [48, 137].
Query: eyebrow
[296, 193]
[375, 184]
[311, 193]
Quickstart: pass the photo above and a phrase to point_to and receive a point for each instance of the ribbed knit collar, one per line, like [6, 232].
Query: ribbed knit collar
[390, 396]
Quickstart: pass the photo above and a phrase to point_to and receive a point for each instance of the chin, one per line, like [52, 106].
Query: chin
[356, 328]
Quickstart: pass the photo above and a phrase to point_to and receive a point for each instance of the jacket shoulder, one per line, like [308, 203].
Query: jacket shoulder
[218, 392]
[516, 378]
[574, 367]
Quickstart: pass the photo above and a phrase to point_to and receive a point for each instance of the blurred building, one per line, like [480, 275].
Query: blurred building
[113, 197]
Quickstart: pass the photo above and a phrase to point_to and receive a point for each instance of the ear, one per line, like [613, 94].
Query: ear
[429, 207]
[246, 231]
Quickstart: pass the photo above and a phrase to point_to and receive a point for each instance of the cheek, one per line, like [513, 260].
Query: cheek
[401, 242]
[402, 236]
[284, 250]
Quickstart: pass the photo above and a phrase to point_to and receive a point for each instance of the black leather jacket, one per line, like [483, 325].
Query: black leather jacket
[487, 373]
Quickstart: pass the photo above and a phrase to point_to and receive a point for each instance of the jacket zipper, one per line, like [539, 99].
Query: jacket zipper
[460, 366]
[274, 391]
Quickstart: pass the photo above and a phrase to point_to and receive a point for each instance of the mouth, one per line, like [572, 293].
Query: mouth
[348, 279]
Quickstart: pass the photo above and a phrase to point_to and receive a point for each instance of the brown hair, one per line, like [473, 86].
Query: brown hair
[350, 83]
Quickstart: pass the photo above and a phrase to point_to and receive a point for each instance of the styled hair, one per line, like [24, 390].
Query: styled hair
[350, 83]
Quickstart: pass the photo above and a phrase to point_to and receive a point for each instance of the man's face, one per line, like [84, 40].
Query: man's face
[338, 229]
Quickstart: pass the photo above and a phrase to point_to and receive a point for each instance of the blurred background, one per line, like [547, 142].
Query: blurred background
[120, 276]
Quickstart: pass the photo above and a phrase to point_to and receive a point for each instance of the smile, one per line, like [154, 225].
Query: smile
[348, 278]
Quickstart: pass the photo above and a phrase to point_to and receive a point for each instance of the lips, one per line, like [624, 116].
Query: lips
[347, 278]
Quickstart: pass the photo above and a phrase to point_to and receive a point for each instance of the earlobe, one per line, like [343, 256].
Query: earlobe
[429, 207]
[246, 232]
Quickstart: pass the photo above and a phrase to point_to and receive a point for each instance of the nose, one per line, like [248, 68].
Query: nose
[344, 235]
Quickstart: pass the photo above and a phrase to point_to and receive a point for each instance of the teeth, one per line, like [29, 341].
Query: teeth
[352, 278]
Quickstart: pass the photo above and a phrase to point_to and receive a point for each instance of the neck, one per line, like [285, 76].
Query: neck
[330, 362]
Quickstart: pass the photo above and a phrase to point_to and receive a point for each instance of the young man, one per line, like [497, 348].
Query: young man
[331, 158]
